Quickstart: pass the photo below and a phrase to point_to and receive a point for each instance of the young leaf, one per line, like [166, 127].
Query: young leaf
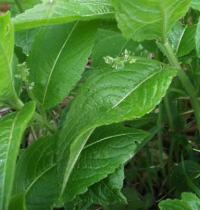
[109, 97]
[146, 20]
[12, 128]
[197, 39]
[56, 66]
[62, 11]
[104, 153]
[189, 201]
[7, 91]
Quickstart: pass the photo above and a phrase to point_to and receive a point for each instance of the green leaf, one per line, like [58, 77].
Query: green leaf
[56, 67]
[7, 91]
[176, 35]
[62, 11]
[197, 39]
[187, 43]
[17, 202]
[105, 193]
[39, 180]
[12, 128]
[108, 97]
[107, 149]
[146, 20]
[195, 4]
[189, 201]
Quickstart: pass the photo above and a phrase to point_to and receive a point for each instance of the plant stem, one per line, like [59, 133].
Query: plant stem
[169, 113]
[160, 139]
[185, 81]
[16, 103]
[40, 119]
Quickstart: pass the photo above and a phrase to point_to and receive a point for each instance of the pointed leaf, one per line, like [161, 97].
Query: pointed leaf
[108, 97]
[112, 148]
[12, 128]
[56, 67]
[7, 91]
[144, 19]
[187, 43]
[62, 11]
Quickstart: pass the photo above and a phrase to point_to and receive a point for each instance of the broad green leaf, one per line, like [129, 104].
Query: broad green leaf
[56, 66]
[7, 91]
[17, 202]
[39, 180]
[111, 147]
[146, 20]
[62, 11]
[108, 97]
[197, 39]
[187, 43]
[105, 193]
[195, 4]
[12, 128]
[189, 201]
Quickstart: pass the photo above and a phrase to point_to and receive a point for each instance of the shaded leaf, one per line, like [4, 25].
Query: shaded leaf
[17, 202]
[12, 128]
[39, 180]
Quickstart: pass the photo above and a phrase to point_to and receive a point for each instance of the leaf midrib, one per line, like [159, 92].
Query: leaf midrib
[135, 88]
[56, 61]
[107, 138]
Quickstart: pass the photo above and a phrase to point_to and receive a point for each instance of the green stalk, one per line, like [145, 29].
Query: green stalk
[160, 139]
[185, 81]
[16, 103]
